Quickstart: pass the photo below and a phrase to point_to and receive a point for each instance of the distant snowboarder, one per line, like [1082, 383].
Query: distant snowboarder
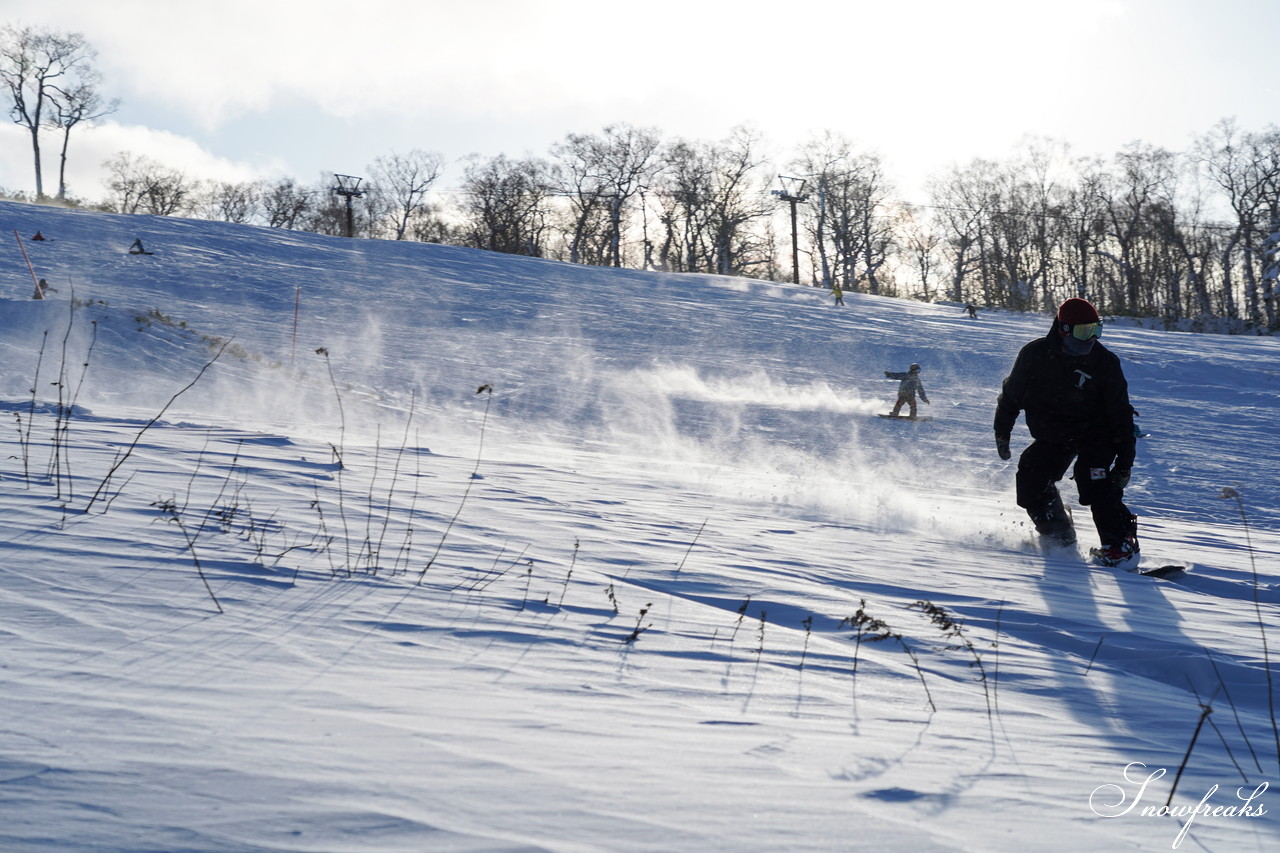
[972, 309]
[39, 238]
[136, 248]
[838, 294]
[42, 289]
[909, 387]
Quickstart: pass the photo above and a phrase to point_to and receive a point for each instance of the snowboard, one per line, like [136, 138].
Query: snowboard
[906, 418]
[1170, 570]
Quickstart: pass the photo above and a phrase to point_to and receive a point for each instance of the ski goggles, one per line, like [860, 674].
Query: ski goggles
[1085, 331]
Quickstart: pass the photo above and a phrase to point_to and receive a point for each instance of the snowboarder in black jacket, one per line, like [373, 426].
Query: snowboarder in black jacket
[1076, 401]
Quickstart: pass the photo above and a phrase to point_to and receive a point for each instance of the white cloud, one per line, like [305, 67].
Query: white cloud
[216, 60]
[92, 146]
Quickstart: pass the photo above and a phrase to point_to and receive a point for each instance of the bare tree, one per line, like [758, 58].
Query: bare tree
[400, 186]
[78, 104]
[738, 204]
[233, 202]
[1084, 227]
[51, 83]
[431, 226]
[817, 162]
[1042, 226]
[1039, 184]
[1247, 168]
[143, 185]
[711, 198]
[1141, 189]
[285, 204]
[505, 205]
[601, 175]
[961, 200]
[849, 225]
[921, 244]
[686, 181]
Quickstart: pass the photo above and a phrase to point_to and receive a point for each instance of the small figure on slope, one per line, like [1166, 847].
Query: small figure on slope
[837, 294]
[1076, 399]
[909, 387]
[972, 309]
[43, 289]
[136, 248]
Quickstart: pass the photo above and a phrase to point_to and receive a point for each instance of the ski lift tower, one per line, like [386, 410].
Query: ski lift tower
[349, 188]
[793, 192]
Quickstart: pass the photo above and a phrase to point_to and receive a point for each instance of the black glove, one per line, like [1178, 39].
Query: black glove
[1002, 446]
[1120, 478]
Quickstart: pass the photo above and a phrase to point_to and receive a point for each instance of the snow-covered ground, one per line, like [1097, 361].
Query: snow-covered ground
[606, 602]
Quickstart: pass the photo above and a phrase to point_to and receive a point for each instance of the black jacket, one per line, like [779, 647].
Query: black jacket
[1069, 400]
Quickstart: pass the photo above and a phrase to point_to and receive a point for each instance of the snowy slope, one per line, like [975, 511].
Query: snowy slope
[604, 603]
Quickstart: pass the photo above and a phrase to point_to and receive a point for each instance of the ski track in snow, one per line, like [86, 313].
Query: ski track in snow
[619, 621]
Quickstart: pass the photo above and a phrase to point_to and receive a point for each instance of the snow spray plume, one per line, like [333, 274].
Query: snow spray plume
[1231, 494]
[754, 436]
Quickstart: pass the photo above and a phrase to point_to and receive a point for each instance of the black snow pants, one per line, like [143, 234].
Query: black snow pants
[1044, 463]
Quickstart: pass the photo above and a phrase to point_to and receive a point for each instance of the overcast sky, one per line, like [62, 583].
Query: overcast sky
[238, 89]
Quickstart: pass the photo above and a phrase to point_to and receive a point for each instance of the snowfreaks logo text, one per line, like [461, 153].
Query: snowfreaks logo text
[1112, 800]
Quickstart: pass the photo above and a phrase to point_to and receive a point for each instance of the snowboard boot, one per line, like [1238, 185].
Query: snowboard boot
[1123, 548]
[1123, 553]
[1053, 522]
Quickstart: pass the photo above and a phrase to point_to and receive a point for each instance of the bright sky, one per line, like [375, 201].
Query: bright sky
[236, 89]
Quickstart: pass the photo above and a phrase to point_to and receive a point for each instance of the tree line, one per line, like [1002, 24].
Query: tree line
[1190, 237]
